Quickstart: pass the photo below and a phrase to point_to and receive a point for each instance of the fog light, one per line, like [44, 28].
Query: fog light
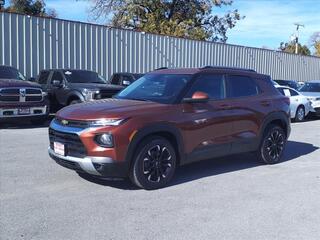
[105, 140]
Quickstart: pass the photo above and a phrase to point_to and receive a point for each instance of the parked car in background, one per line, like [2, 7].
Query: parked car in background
[124, 78]
[70, 86]
[300, 106]
[21, 99]
[289, 83]
[311, 90]
[172, 117]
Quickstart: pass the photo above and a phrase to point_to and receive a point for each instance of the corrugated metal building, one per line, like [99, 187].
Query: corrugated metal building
[32, 44]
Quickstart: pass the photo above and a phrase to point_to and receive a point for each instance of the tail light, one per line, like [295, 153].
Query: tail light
[287, 100]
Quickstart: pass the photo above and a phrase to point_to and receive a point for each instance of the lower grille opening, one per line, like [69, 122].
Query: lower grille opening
[8, 113]
[37, 111]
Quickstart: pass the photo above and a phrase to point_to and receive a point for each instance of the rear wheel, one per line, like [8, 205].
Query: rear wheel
[272, 146]
[300, 114]
[154, 163]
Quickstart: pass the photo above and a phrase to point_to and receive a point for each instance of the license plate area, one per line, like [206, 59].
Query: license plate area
[59, 148]
[24, 111]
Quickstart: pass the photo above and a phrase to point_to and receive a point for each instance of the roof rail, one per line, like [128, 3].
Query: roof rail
[161, 68]
[231, 68]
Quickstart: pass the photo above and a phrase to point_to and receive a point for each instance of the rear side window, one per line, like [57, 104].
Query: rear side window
[43, 77]
[211, 84]
[242, 86]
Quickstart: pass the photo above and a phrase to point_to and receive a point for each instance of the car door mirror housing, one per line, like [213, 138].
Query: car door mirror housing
[197, 97]
[57, 83]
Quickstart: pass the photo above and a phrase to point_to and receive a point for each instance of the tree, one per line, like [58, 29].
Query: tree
[31, 7]
[290, 47]
[181, 18]
[315, 42]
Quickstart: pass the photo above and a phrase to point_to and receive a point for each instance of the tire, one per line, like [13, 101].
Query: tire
[272, 145]
[74, 101]
[149, 170]
[300, 114]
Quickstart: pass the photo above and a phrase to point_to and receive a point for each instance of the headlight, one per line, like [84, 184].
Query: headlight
[107, 122]
[90, 94]
[44, 94]
[104, 140]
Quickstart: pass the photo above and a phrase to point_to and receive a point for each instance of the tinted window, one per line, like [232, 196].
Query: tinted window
[115, 79]
[83, 76]
[213, 85]
[57, 76]
[11, 73]
[241, 86]
[162, 88]
[281, 91]
[43, 78]
[310, 87]
[293, 93]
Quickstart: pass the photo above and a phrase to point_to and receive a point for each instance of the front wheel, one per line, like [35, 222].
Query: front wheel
[154, 163]
[272, 145]
[300, 114]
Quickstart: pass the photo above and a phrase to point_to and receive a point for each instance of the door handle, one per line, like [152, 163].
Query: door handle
[224, 106]
[265, 103]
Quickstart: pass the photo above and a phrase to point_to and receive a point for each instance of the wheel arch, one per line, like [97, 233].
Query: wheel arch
[74, 95]
[167, 131]
[278, 118]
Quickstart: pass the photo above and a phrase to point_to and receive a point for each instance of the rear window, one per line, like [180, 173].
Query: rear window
[241, 86]
[83, 76]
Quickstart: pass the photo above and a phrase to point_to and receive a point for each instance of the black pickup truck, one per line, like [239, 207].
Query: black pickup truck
[70, 86]
[21, 99]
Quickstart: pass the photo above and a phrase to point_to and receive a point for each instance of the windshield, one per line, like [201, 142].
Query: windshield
[82, 76]
[162, 88]
[11, 73]
[310, 87]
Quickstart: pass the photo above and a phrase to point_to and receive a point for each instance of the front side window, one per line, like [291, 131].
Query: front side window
[293, 93]
[162, 88]
[211, 84]
[57, 76]
[83, 76]
[242, 86]
[43, 78]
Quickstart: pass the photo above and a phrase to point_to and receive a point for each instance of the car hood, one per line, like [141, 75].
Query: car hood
[95, 86]
[5, 83]
[108, 108]
[311, 94]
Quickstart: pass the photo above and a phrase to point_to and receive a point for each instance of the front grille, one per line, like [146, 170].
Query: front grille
[107, 93]
[73, 145]
[20, 95]
[72, 123]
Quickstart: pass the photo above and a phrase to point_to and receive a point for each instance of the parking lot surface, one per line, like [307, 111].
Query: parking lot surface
[228, 198]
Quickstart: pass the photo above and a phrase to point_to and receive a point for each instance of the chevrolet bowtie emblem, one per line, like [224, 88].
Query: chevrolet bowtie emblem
[64, 122]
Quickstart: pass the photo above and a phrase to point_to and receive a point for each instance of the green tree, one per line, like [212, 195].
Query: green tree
[290, 47]
[192, 19]
[31, 7]
[315, 42]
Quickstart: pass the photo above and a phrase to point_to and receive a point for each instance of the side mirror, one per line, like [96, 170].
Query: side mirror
[197, 97]
[57, 83]
[32, 79]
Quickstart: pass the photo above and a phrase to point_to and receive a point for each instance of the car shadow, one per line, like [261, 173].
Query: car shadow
[214, 166]
[24, 124]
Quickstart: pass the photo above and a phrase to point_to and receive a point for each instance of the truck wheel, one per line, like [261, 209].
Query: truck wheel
[300, 114]
[154, 163]
[272, 145]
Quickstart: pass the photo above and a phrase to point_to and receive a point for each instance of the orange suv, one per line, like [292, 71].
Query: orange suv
[171, 117]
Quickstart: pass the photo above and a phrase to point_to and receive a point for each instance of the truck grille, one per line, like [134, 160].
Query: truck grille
[73, 145]
[108, 93]
[20, 95]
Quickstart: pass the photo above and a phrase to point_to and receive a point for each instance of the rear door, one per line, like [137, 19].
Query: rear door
[207, 126]
[245, 98]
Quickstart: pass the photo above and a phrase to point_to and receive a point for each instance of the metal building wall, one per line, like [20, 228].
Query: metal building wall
[32, 44]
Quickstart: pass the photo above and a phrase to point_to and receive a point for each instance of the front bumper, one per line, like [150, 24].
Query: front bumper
[13, 112]
[98, 166]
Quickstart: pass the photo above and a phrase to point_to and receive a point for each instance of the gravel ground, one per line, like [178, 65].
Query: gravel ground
[228, 198]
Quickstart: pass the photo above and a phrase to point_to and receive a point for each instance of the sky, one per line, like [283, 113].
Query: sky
[266, 22]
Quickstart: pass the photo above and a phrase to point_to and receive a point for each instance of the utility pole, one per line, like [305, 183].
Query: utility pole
[298, 25]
